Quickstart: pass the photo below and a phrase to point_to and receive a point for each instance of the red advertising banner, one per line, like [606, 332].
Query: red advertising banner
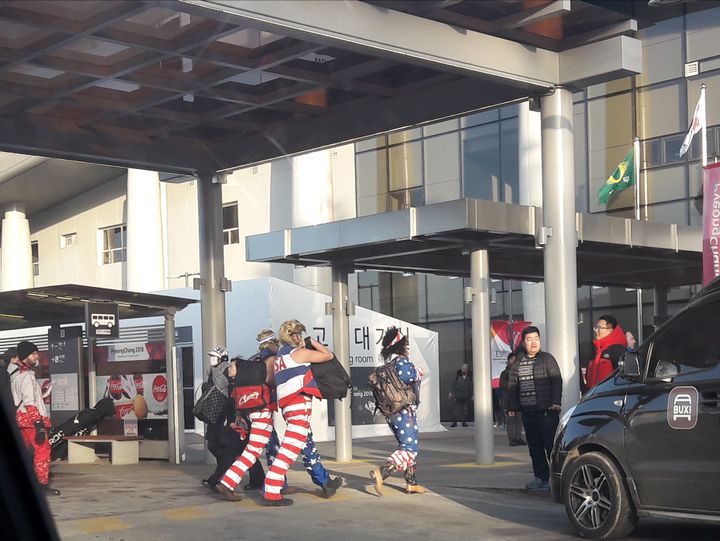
[504, 337]
[711, 223]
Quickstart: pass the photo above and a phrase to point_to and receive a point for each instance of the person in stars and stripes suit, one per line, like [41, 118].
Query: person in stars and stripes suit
[404, 423]
[294, 386]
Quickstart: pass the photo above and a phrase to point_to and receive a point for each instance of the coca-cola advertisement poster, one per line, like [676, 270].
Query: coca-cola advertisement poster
[140, 395]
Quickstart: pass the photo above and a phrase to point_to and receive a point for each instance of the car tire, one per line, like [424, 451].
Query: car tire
[596, 498]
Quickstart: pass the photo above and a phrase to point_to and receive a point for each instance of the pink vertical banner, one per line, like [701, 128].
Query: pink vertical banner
[711, 223]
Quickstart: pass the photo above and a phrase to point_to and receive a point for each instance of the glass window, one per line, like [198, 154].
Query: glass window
[690, 345]
[114, 244]
[440, 127]
[68, 240]
[231, 230]
[665, 184]
[610, 123]
[661, 110]
[651, 153]
[371, 143]
[404, 199]
[509, 168]
[481, 162]
[442, 168]
[406, 169]
[409, 297]
[35, 251]
[444, 298]
[404, 136]
[476, 119]
[371, 173]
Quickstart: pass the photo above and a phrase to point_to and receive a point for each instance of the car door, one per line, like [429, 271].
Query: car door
[672, 417]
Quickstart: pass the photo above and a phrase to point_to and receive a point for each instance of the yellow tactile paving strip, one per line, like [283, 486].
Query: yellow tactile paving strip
[99, 525]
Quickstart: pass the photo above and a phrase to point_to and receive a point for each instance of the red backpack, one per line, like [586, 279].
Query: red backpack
[249, 389]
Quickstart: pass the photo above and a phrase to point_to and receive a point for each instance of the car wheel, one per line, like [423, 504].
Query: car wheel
[596, 499]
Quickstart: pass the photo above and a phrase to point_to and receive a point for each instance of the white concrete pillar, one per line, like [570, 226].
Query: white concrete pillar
[560, 258]
[313, 204]
[482, 371]
[16, 270]
[145, 252]
[530, 176]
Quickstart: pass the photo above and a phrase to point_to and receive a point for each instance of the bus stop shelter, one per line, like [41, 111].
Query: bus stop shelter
[65, 305]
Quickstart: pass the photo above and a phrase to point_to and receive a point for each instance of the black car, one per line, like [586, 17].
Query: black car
[646, 441]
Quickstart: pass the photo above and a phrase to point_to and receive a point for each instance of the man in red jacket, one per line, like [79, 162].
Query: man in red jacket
[610, 343]
[31, 416]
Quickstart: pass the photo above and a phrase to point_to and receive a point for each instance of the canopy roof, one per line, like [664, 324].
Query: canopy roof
[64, 304]
[188, 85]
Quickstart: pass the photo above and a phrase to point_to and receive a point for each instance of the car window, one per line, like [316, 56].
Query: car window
[692, 343]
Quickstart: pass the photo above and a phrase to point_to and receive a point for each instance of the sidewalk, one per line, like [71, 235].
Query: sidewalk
[155, 500]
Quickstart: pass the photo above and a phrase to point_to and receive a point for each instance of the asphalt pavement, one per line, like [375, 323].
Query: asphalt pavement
[158, 501]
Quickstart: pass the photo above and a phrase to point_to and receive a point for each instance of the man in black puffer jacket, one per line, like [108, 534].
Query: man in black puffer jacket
[535, 389]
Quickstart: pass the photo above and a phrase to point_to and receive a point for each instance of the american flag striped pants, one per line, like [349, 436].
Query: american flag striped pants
[297, 416]
[261, 428]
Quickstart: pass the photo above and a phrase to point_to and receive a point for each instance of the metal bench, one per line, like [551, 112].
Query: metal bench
[123, 449]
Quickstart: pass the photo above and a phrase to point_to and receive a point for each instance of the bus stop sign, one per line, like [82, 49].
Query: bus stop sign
[101, 320]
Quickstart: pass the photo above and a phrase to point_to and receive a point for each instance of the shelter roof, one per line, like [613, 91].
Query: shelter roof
[188, 85]
[437, 239]
[64, 304]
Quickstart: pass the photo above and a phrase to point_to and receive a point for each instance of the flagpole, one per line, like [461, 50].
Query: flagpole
[704, 125]
[638, 291]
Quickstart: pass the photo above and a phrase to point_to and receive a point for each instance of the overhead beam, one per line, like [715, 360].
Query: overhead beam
[368, 29]
[534, 15]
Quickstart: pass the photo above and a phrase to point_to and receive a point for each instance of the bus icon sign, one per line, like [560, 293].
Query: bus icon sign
[682, 408]
[101, 320]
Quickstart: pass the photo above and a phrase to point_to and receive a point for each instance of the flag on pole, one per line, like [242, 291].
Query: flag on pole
[698, 123]
[623, 177]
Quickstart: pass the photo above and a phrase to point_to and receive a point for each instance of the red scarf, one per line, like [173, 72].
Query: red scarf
[600, 367]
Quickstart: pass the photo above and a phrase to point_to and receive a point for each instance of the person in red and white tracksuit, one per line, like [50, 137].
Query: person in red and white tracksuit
[295, 386]
[31, 415]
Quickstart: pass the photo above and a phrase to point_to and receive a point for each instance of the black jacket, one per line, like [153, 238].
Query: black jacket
[548, 383]
[463, 387]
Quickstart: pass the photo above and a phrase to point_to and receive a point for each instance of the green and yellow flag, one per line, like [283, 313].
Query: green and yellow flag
[623, 177]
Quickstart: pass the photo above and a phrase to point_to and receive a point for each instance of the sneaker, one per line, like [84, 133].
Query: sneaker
[50, 491]
[538, 484]
[465, 425]
[330, 488]
[283, 502]
[229, 494]
[208, 485]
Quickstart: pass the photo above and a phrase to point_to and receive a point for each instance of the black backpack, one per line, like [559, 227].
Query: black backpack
[332, 379]
[249, 389]
[390, 392]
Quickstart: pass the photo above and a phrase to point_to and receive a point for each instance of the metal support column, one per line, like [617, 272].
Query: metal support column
[660, 309]
[479, 297]
[212, 267]
[559, 236]
[176, 417]
[341, 348]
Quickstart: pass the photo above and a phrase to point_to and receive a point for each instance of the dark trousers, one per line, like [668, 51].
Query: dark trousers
[540, 426]
[225, 445]
[461, 410]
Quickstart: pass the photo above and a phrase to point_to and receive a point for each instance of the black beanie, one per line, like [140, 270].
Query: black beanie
[25, 349]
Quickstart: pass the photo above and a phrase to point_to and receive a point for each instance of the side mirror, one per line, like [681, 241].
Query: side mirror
[629, 365]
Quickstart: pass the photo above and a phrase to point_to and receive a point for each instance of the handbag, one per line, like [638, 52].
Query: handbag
[210, 407]
[332, 379]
